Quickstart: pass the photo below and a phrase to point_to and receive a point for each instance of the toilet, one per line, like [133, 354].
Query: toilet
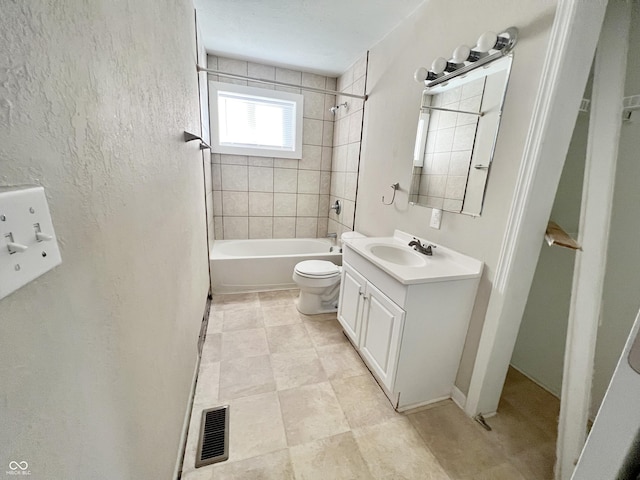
[319, 284]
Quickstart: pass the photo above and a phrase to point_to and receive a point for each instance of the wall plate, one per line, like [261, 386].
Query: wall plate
[28, 244]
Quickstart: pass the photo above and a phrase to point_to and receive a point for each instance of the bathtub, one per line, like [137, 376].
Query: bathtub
[259, 265]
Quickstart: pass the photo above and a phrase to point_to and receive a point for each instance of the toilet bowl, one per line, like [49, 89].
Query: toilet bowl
[319, 283]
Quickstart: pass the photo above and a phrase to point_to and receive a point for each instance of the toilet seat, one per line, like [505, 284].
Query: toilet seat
[317, 269]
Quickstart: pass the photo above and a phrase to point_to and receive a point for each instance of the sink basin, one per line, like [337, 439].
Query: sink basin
[397, 255]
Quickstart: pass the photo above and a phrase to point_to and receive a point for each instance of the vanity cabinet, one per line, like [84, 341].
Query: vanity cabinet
[409, 335]
[372, 321]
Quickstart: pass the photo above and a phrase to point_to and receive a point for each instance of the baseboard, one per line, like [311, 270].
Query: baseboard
[187, 420]
[458, 397]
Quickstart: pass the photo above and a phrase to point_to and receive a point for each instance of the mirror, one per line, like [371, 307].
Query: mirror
[456, 136]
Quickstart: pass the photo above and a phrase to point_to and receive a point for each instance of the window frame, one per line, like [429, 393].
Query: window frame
[216, 87]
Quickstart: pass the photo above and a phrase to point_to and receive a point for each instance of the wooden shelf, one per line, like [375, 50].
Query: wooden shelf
[555, 235]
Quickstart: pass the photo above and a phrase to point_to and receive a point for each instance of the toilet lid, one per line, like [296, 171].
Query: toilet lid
[317, 268]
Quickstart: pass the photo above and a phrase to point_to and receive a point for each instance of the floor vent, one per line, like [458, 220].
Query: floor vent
[213, 444]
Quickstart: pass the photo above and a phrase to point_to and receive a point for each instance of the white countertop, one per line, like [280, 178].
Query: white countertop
[444, 265]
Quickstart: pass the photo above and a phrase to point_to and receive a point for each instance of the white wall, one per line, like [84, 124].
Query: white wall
[620, 302]
[390, 124]
[539, 350]
[97, 356]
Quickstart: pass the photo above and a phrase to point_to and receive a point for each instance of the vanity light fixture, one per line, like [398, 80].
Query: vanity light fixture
[490, 46]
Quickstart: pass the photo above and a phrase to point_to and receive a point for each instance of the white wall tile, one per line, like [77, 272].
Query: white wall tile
[306, 227]
[260, 227]
[236, 227]
[472, 89]
[313, 80]
[285, 163]
[284, 227]
[312, 131]
[350, 183]
[325, 183]
[331, 84]
[313, 105]
[235, 203]
[323, 206]
[311, 157]
[452, 205]
[322, 227]
[307, 205]
[260, 162]
[444, 140]
[260, 204]
[437, 185]
[440, 164]
[217, 203]
[327, 153]
[215, 158]
[353, 157]
[285, 180]
[260, 179]
[230, 65]
[235, 177]
[308, 181]
[233, 159]
[327, 134]
[347, 216]
[459, 163]
[258, 70]
[433, 202]
[464, 137]
[455, 187]
[288, 76]
[218, 230]
[216, 177]
[329, 101]
[355, 126]
[284, 204]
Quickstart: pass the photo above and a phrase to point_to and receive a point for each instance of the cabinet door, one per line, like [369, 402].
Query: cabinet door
[350, 303]
[382, 323]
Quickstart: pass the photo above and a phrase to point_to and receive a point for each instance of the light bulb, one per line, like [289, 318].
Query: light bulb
[420, 75]
[438, 65]
[460, 54]
[486, 41]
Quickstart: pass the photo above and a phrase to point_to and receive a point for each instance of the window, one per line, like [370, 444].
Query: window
[255, 121]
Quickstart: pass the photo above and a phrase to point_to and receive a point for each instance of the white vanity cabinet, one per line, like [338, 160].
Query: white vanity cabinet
[410, 335]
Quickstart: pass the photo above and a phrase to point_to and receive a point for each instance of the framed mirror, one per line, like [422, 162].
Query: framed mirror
[456, 136]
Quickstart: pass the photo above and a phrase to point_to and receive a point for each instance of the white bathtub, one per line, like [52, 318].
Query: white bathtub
[258, 265]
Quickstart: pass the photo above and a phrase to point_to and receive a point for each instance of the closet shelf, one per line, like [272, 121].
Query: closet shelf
[555, 235]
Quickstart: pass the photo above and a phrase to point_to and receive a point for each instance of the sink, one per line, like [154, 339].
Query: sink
[397, 255]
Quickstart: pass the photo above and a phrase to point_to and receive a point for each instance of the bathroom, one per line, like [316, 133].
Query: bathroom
[106, 343]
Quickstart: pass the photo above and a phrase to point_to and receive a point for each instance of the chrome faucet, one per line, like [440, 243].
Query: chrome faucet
[419, 247]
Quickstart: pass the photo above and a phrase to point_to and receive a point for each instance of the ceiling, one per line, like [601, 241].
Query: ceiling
[321, 36]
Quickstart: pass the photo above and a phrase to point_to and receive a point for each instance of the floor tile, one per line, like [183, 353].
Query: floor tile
[394, 450]
[310, 413]
[335, 458]
[202, 473]
[272, 466]
[255, 426]
[295, 369]
[456, 440]
[236, 300]
[212, 348]
[362, 401]
[208, 385]
[242, 319]
[214, 325]
[245, 376]
[325, 332]
[288, 338]
[278, 297]
[244, 343]
[280, 315]
[341, 360]
[501, 472]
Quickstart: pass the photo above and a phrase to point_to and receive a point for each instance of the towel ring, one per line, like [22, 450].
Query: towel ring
[395, 188]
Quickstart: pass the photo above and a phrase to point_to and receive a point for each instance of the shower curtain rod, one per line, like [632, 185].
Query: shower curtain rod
[284, 84]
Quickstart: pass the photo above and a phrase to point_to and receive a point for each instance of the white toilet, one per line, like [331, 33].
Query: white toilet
[319, 283]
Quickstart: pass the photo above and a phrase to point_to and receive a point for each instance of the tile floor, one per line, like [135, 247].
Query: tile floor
[304, 406]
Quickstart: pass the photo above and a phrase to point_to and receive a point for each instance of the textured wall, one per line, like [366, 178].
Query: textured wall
[391, 119]
[97, 356]
[261, 197]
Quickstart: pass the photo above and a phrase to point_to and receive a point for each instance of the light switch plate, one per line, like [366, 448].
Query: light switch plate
[24, 212]
[436, 218]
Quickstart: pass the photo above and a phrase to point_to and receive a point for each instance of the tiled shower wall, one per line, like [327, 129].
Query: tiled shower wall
[259, 197]
[346, 147]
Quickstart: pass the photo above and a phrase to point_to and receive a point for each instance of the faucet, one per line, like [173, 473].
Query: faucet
[419, 247]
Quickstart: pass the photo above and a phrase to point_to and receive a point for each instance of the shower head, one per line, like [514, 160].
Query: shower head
[335, 109]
